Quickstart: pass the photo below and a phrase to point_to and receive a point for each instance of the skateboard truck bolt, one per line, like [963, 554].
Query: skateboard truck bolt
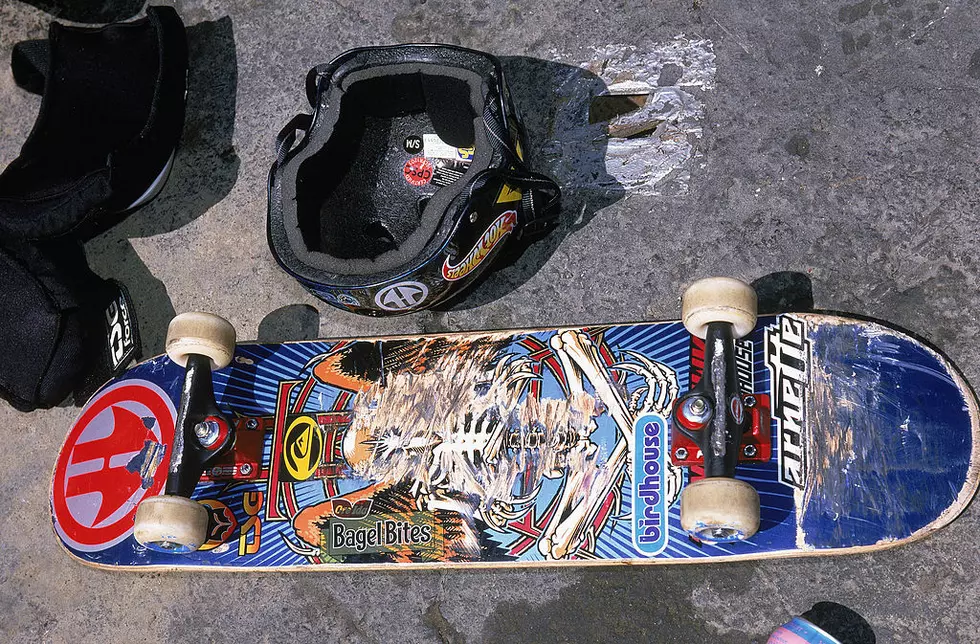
[207, 432]
[749, 401]
[696, 409]
[252, 424]
[750, 451]
[680, 453]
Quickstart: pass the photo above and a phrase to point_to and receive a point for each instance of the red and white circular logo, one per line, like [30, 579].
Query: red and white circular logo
[115, 455]
[418, 171]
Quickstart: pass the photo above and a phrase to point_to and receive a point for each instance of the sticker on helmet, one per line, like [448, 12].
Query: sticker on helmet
[401, 296]
[436, 148]
[418, 171]
[413, 144]
[499, 229]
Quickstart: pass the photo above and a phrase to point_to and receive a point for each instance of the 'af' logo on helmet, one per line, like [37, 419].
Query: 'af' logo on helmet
[110, 462]
[401, 296]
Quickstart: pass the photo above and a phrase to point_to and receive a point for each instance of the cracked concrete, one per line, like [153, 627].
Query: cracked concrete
[839, 141]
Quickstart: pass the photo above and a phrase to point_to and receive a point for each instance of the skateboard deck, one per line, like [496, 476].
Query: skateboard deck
[550, 446]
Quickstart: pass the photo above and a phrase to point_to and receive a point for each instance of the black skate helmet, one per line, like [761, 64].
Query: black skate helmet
[408, 181]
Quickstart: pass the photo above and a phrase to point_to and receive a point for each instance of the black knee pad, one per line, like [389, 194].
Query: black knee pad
[63, 329]
[103, 143]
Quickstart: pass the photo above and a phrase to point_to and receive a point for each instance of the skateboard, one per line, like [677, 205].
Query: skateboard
[721, 437]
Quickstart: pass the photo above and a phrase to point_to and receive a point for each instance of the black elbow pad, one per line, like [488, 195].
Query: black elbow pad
[63, 329]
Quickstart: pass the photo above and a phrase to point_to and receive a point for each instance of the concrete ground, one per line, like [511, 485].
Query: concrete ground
[839, 142]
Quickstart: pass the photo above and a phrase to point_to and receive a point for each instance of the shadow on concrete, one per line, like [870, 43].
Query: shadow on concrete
[205, 170]
[89, 11]
[553, 100]
[290, 323]
[784, 292]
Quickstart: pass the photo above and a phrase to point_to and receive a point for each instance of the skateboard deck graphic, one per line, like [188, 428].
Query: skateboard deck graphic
[519, 448]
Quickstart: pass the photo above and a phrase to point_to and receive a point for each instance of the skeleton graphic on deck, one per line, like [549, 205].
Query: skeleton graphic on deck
[462, 427]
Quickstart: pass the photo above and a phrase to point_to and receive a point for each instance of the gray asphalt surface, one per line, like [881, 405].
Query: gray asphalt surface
[839, 142]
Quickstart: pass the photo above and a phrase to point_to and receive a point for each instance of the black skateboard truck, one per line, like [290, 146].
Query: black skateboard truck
[717, 508]
[173, 522]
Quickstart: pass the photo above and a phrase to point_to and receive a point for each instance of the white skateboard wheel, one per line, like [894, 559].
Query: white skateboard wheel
[171, 524]
[202, 334]
[719, 299]
[720, 509]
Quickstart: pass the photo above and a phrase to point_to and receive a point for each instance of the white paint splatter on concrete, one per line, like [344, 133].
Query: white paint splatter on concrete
[670, 79]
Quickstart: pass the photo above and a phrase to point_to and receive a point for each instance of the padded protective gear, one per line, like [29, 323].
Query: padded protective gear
[408, 181]
[102, 145]
[63, 328]
[110, 118]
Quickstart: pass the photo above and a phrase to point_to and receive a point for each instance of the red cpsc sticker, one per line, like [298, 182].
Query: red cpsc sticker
[114, 457]
[418, 171]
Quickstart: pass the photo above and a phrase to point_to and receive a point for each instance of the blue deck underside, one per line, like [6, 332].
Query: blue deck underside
[890, 437]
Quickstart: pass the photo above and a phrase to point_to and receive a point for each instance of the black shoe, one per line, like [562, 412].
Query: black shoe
[110, 118]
